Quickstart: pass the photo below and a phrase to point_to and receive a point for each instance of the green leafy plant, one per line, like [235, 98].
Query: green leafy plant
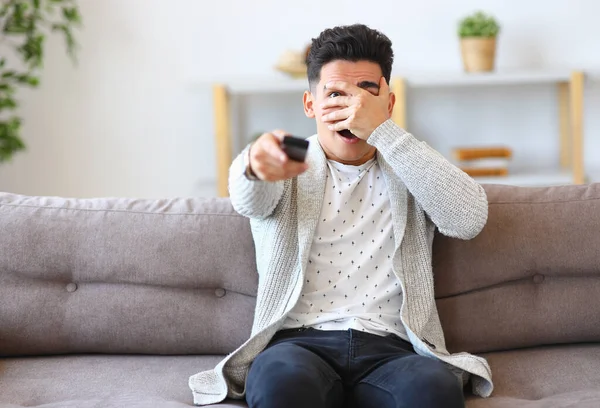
[24, 26]
[478, 24]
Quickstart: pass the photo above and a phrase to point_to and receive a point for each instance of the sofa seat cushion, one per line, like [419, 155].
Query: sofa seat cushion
[544, 377]
[107, 381]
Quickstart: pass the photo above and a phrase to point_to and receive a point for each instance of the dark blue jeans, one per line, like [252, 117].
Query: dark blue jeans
[308, 368]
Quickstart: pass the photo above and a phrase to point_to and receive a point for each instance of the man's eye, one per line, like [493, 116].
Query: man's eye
[334, 94]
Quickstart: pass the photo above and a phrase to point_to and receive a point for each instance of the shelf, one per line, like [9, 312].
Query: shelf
[281, 84]
[426, 80]
[266, 86]
[530, 179]
[570, 93]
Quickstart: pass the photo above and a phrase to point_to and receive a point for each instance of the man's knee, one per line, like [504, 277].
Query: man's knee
[414, 381]
[288, 373]
[438, 386]
[282, 362]
[275, 363]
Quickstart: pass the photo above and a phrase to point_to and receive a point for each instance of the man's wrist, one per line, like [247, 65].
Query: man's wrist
[248, 172]
[383, 131]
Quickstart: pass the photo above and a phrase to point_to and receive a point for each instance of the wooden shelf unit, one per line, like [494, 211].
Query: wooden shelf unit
[570, 91]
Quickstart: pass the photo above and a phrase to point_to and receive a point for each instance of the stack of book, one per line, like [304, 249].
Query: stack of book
[483, 161]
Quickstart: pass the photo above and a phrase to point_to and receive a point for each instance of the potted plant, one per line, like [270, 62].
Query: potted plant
[478, 34]
[24, 26]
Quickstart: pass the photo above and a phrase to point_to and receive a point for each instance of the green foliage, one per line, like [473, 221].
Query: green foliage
[24, 26]
[478, 24]
[10, 142]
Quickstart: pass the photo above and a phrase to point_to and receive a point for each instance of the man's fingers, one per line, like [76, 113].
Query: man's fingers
[273, 148]
[268, 167]
[384, 89]
[270, 171]
[343, 86]
[293, 168]
[337, 115]
[338, 101]
[280, 134]
[269, 162]
[264, 166]
[344, 124]
[272, 161]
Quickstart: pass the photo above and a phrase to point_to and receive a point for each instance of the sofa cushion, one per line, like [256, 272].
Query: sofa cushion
[550, 377]
[174, 276]
[544, 377]
[531, 277]
[107, 381]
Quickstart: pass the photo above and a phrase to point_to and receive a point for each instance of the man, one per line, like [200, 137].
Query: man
[345, 313]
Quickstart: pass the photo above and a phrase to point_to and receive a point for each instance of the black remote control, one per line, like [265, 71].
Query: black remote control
[295, 148]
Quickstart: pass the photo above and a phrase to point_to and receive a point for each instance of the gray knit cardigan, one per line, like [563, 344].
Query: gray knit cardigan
[426, 191]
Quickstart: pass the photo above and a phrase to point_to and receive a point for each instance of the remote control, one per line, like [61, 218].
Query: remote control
[295, 148]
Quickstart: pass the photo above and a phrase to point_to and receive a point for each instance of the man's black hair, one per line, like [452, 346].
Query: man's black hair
[354, 43]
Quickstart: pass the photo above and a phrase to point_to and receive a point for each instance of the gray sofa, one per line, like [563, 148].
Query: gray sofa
[116, 302]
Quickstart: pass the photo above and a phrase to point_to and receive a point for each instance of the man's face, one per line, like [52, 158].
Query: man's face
[337, 146]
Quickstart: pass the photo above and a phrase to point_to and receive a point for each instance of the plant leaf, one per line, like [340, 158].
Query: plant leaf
[27, 79]
[8, 103]
[71, 14]
[28, 22]
[69, 39]
[478, 24]
[10, 138]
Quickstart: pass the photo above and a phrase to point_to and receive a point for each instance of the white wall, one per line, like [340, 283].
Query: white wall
[131, 120]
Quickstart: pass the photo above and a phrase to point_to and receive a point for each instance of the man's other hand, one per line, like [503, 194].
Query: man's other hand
[269, 163]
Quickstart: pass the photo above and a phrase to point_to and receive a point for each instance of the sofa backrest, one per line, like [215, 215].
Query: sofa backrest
[124, 276]
[179, 276]
[531, 277]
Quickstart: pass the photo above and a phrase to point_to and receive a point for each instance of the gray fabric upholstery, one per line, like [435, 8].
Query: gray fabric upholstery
[124, 276]
[100, 381]
[542, 372]
[545, 377]
[170, 278]
[578, 399]
[532, 277]
[157, 381]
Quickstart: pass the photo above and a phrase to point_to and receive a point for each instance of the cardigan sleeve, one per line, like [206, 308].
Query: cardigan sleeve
[252, 198]
[455, 202]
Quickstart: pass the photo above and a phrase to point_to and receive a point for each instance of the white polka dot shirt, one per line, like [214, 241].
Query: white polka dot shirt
[350, 283]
